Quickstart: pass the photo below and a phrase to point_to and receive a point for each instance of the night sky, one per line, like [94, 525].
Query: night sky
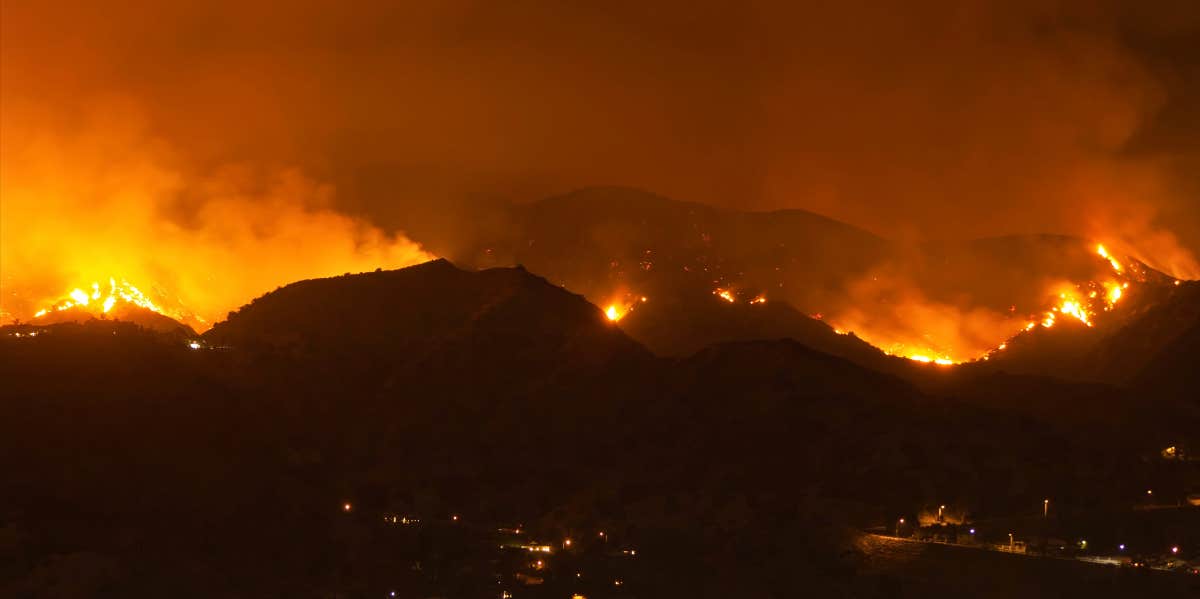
[913, 120]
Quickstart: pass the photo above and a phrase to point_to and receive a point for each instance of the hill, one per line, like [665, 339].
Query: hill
[137, 461]
[957, 299]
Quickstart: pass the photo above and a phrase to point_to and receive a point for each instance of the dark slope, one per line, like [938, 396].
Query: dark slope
[502, 326]
[1173, 369]
[613, 243]
[1144, 338]
[122, 312]
[684, 324]
[597, 240]
[493, 394]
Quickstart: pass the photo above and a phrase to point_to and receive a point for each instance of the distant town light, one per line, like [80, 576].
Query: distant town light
[972, 531]
[1121, 547]
[194, 345]
[1175, 549]
[346, 507]
[454, 517]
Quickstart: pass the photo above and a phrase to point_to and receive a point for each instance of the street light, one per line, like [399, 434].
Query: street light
[1010, 542]
[898, 523]
[1045, 507]
[940, 509]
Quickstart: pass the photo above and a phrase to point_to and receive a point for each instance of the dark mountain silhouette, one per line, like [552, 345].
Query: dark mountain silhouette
[684, 324]
[1139, 341]
[121, 312]
[135, 462]
[611, 243]
[505, 327]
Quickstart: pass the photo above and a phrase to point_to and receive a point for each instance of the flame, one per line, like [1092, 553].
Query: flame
[1104, 254]
[621, 306]
[730, 295]
[1072, 301]
[119, 291]
[107, 196]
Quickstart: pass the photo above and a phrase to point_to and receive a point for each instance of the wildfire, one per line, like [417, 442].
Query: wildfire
[730, 295]
[102, 299]
[929, 360]
[617, 309]
[1104, 254]
[1069, 302]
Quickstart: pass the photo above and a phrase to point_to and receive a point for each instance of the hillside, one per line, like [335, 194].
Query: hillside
[955, 298]
[138, 460]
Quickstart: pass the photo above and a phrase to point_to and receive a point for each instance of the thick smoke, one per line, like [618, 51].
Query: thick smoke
[105, 198]
[922, 120]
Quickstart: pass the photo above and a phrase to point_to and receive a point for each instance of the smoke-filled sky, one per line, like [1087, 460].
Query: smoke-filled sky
[915, 120]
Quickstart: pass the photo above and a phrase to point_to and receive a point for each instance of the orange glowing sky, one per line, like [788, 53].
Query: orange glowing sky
[212, 152]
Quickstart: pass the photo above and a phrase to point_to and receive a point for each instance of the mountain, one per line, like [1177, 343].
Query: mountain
[684, 324]
[121, 312]
[1142, 340]
[614, 245]
[259, 461]
[502, 325]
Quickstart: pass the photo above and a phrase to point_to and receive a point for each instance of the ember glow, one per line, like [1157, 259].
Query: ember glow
[1076, 302]
[101, 299]
[103, 214]
[730, 295]
[622, 305]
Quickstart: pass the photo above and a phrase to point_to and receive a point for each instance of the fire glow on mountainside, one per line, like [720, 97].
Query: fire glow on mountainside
[622, 305]
[1078, 301]
[98, 299]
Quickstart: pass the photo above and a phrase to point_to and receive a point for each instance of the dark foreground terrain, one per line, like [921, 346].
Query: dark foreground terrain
[914, 569]
[435, 432]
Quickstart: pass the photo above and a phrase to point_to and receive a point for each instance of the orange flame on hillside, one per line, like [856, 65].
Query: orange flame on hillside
[618, 308]
[1077, 302]
[101, 299]
[93, 208]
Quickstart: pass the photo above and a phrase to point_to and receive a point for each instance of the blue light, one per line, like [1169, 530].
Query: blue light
[972, 531]
[1121, 546]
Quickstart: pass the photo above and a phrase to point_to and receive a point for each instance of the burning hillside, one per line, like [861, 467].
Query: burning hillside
[106, 214]
[944, 303]
[99, 300]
